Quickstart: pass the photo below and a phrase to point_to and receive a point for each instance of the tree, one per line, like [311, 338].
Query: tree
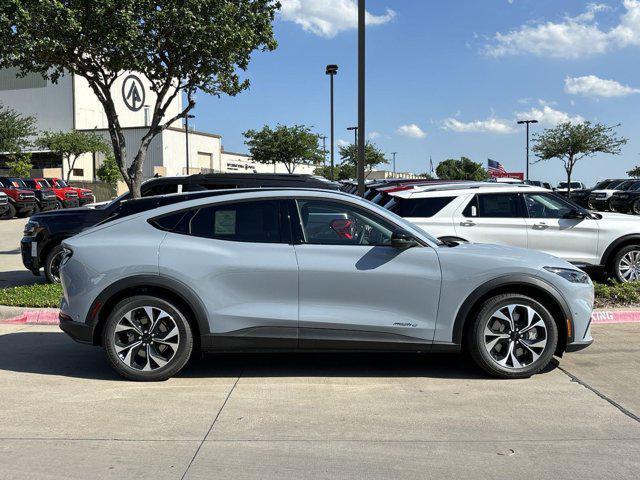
[15, 130]
[291, 146]
[463, 169]
[341, 171]
[70, 145]
[108, 172]
[372, 156]
[634, 172]
[19, 165]
[180, 46]
[572, 142]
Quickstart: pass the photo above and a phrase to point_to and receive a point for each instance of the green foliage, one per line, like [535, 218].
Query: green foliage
[70, 145]
[291, 146]
[39, 296]
[571, 143]
[463, 169]
[372, 156]
[108, 172]
[19, 165]
[342, 171]
[615, 294]
[15, 130]
[180, 46]
[634, 172]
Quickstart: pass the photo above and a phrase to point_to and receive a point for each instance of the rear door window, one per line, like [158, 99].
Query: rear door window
[494, 205]
[420, 207]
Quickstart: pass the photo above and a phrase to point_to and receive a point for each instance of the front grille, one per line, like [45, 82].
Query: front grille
[71, 195]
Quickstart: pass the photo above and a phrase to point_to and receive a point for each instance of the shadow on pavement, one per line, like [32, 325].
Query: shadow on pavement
[15, 278]
[52, 353]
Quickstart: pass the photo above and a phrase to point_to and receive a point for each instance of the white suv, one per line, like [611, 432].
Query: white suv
[525, 216]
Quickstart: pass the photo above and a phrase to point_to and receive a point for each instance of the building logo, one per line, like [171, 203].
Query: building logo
[133, 93]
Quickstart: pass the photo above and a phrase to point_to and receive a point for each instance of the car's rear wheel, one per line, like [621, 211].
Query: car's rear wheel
[626, 264]
[147, 338]
[513, 336]
[52, 264]
[9, 214]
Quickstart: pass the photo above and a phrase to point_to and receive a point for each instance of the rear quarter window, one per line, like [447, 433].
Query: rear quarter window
[420, 207]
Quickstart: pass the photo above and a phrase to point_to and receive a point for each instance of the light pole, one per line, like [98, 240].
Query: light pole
[355, 137]
[361, 95]
[331, 70]
[186, 136]
[394, 161]
[527, 122]
[324, 150]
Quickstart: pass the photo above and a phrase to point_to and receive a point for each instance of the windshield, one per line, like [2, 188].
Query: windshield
[44, 184]
[60, 183]
[17, 182]
[625, 185]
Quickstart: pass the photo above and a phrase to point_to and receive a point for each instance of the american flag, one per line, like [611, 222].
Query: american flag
[495, 167]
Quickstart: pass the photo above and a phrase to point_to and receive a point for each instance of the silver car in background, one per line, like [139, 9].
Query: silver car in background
[309, 270]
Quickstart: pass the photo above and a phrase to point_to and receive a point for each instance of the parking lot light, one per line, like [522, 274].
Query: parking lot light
[527, 122]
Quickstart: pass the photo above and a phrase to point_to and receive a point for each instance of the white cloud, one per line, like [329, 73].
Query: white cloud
[548, 116]
[490, 125]
[412, 131]
[342, 143]
[592, 86]
[327, 18]
[573, 37]
[373, 135]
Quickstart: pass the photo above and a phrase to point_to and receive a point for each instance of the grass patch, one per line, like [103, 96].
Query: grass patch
[613, 294]
[38, 296]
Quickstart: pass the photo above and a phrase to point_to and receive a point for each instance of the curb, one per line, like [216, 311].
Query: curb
[49, 316]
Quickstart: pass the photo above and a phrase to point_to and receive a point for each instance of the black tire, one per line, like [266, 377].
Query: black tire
[52, 265]
[635, 208]
[25, 213]
[180, 356]
[9, 213]
[476, 339]
[59, 205]
[616, 263]
[36, 209]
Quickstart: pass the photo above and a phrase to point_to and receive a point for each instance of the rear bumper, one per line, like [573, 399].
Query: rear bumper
[80, 332]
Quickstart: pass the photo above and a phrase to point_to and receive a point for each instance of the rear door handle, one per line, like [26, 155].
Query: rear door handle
[540, 226]
[467, 223]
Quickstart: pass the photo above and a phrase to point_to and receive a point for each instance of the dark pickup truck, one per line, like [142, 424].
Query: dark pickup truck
[44, 232]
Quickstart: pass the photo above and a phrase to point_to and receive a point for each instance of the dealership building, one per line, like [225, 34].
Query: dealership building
[70, 104]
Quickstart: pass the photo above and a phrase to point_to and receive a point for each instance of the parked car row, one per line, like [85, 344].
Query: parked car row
[27, 196]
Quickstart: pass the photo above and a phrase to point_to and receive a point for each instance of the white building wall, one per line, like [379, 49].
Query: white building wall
[242, 163]
[51, 104]
[175, 151]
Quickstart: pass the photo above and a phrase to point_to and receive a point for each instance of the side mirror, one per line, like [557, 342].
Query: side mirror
[575, 215]
[401, 239]
[343, 227]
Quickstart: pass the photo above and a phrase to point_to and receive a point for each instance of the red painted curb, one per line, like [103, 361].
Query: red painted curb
[615, 316]
[50, 317]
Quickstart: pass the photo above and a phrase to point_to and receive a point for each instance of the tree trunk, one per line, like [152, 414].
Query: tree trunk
[71, 165]
[569, 170]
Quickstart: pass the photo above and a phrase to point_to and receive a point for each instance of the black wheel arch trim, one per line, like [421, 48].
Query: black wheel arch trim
[176, 287]
[518, 280]
[609, 251]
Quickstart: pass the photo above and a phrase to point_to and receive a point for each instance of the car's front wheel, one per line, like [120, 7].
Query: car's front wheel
[626, 264]
[635, 208]
[10, 213]
[513, 336]
[52, 264]
[147, 338]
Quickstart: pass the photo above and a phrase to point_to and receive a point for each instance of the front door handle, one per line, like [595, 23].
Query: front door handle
[467, 223]
[540, 226]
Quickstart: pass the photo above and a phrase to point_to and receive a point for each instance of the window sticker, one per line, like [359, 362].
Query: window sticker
[225, 222]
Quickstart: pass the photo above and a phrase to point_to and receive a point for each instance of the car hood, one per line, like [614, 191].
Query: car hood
[619, 217]
[502, 254]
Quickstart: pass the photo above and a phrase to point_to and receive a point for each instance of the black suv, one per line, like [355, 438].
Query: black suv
[626, 201]
[581, 197]
[44, 232]
[45, 198]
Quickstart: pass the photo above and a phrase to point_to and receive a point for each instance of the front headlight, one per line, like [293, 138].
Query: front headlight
[30, 228]
[573, 276]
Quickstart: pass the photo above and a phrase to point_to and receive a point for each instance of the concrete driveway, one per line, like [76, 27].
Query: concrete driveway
[65, 414]
[12, 272]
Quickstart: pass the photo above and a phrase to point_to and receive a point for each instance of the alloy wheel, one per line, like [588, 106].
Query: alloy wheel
[636, 207]
[54, 266]
[515, 336]
[629, 266]
[146, 338]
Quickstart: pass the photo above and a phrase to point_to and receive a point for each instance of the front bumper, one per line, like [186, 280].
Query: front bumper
[25, 205]
[85, 200]
[621, 204]
[70, 202]
[577, 346]
[583, 201]
[29, 251]
[48, 204]
[598, 203]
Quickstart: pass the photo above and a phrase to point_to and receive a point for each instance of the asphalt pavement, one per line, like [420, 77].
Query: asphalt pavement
[65, 414]
[12, 272]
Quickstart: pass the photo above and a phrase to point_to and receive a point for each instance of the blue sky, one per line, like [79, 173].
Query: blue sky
[449, 78]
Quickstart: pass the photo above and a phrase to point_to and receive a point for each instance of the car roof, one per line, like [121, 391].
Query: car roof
[247, 180]
[464, 189]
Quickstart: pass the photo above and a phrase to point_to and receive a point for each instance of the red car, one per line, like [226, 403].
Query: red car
[66, 197]
[21, 202]
[84, 194]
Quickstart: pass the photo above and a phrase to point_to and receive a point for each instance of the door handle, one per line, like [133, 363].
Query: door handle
[467, 223]
[540, 226]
